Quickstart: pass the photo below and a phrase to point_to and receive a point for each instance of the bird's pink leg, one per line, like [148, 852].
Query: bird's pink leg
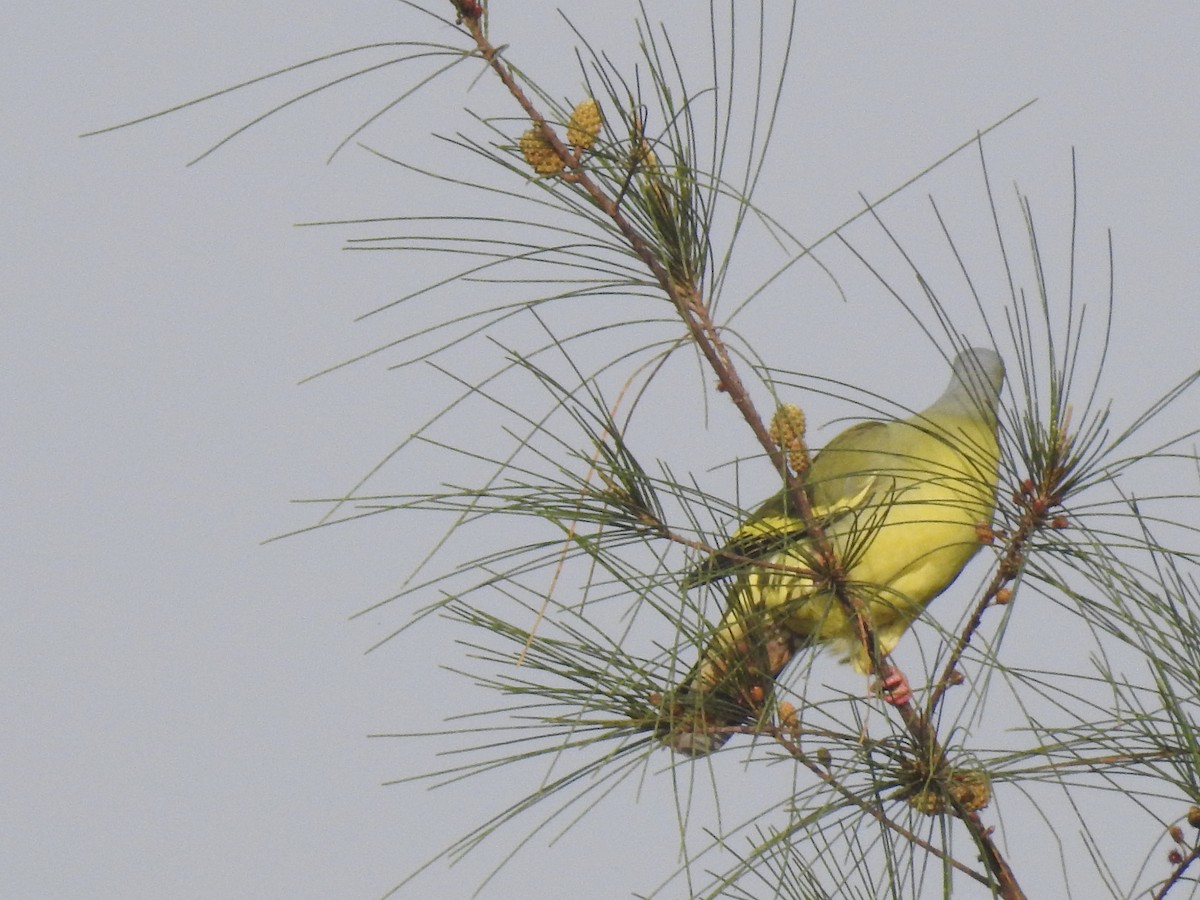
[893, 684]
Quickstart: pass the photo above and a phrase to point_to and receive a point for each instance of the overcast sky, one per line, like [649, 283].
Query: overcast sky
[186, 709]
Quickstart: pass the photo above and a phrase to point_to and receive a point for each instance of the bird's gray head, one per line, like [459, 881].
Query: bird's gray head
[975, 383]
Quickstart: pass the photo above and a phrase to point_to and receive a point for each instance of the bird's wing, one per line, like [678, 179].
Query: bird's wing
[838, 485]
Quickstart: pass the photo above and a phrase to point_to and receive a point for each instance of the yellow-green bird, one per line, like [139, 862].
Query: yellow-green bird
[903, 504]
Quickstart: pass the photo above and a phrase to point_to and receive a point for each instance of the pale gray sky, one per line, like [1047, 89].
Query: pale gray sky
[185, 709]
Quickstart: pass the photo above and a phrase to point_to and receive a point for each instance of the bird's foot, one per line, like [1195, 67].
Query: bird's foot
[893, 685]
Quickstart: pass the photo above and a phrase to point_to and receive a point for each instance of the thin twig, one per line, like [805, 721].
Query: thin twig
[1178, 873]
[686, 299]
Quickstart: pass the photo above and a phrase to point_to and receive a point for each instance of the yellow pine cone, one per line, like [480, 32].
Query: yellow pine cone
[584, 127]
[789, 719]
[538, 153]
[972, 790]
[787, 430]
[969, 789]
[643, 156]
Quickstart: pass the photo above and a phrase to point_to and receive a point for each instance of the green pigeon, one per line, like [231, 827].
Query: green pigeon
[904, 505]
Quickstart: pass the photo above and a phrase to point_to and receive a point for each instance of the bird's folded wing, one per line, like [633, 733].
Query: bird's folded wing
[833, 491]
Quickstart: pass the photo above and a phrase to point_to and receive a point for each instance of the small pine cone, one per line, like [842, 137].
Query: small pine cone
[641, 154]
[584, 127]
[789, 719]
[539, 153]
[648, 158]
[972, 790]
[787, 430]
[928, 800]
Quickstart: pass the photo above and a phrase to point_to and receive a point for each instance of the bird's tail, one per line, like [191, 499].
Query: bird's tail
[732, 684]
